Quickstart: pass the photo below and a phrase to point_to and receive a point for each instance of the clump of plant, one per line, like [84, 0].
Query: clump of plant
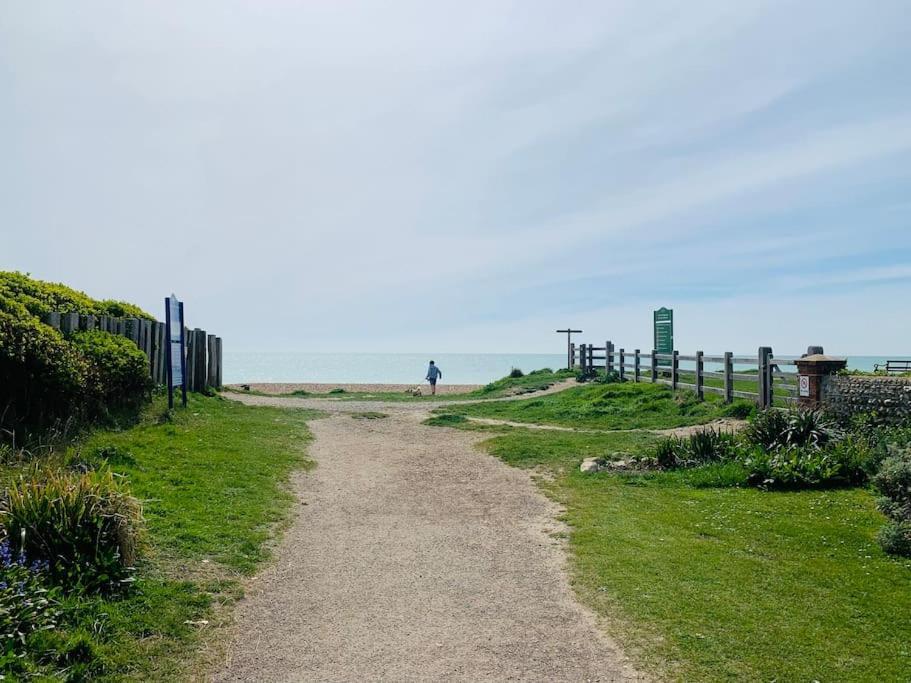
[699, 448]
[893, 481]
[85, 526]
[516, 373]
[338, 390]
[542, 371]
[27, 605]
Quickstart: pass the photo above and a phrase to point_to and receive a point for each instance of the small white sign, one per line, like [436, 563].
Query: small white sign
[804, 384]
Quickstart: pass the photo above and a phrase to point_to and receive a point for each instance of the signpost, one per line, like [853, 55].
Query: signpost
[569, 345]
[177, 356]
[664, 333]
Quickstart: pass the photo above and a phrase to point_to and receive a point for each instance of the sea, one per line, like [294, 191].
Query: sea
[410, 368]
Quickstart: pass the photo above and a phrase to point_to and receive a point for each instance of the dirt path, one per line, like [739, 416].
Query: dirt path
[414, 556]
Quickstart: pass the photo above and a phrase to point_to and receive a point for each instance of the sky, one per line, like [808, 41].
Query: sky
[468, 176]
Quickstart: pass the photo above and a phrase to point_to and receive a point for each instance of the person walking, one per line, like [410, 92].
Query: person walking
[433, 374]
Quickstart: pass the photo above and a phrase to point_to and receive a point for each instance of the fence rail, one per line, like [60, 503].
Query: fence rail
[204, 351]
[762, 381]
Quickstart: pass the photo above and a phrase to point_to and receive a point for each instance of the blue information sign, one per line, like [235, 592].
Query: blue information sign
[177, 353]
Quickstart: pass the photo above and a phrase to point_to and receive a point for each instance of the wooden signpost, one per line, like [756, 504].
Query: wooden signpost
[177, 357]
[569, 345]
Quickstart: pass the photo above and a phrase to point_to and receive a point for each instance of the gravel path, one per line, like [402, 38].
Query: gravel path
[415, 557]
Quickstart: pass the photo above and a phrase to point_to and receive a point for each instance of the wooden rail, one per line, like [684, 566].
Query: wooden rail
[763, 381]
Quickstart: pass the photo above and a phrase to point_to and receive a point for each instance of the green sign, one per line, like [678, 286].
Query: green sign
[664, 331]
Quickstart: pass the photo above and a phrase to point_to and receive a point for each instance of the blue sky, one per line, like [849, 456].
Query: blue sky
[447, 177]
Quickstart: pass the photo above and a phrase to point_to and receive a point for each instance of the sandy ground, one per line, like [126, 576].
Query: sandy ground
[287, 388]
[414, 557]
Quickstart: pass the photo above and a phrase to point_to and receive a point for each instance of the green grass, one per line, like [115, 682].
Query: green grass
[703, 580]
[213, 481]
[603, 406]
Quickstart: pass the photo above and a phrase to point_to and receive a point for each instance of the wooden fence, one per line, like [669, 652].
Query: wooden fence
[204, 351]
[759, 378]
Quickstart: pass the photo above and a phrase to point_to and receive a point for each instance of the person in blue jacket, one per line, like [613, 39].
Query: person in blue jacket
[433, 374]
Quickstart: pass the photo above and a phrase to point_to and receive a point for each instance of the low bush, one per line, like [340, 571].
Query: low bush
[338, 390]
[542, 371]
[119, 370]
[893, 481]
[515, 373]
[84, 525]
[699, 448]
[43, 378]
[895, 538]
[790, 467]
[27, 606]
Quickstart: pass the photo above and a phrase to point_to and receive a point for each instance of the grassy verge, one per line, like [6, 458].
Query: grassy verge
[708, 582]
[606, 406]
[213, 481]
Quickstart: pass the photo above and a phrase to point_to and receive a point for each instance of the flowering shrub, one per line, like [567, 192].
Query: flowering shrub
[85, 526]
[26, 605]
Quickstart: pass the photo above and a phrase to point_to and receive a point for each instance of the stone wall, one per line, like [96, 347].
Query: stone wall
[846, 395]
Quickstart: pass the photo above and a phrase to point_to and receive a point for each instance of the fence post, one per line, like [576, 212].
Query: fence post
[699, 377]
[675, 367]
[636, 366]
[622, 365]
[201, 366]
[728, 377]
[765, 368]
[53, 319]
[572, 355]
[582, 358]
[654, 366]
[211, 379]
[609, 355]
[218, 365]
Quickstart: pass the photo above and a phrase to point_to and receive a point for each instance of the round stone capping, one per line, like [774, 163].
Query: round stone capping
[814, 368]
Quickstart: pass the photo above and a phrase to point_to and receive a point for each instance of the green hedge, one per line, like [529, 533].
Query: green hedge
[46, 377]
[39, 298]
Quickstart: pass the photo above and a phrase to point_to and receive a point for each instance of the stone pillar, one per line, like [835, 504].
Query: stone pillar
[811, 370]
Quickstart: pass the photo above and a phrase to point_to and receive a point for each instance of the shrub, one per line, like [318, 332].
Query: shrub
[667, 452]
[699, 448]
[85, 526]
[26, 605]
[809, 428]
[542, 371]
[39, 297]
[338, 390]
[767, 429]
[120, 374]
[791, 467]
[43, 378]
[515, 373]
[895, 538]
[893, 481]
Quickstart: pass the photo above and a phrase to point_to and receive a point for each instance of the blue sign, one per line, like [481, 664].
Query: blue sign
[177, 352]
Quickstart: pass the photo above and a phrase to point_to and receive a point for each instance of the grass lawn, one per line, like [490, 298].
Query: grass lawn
[606, 406]
[213, 481]
[704, 582]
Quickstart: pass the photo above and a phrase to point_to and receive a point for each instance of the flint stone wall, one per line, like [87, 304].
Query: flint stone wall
[846, 395]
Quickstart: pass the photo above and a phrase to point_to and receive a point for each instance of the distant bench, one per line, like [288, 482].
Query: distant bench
[896, 366]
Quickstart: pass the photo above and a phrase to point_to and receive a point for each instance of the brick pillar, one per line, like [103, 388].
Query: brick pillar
[811, 371]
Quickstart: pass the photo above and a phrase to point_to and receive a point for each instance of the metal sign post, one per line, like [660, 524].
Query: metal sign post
[664, 332]
[177, 355]
[569, 345]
